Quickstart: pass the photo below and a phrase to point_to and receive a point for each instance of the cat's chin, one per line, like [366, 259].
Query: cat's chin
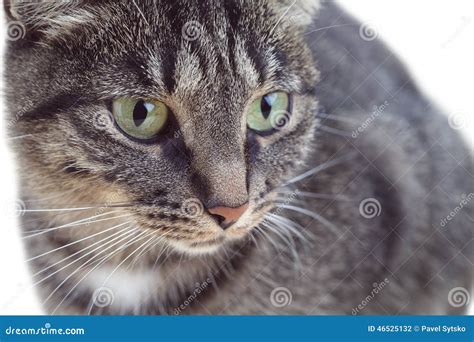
[196, 248]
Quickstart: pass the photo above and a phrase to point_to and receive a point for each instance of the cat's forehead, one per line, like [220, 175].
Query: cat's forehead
[189, 48]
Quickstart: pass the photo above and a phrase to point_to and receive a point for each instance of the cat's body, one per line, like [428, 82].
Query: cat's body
[401, 159]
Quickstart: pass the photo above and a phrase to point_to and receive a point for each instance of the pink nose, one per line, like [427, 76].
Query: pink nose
[228, 216]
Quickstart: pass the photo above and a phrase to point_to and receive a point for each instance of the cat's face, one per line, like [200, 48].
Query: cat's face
[174, 108]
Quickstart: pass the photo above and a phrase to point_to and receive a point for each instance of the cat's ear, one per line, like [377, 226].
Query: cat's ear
[34, 16]
[296, 12]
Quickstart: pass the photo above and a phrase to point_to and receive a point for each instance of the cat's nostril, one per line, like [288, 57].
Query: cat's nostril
[227, 216]
[220, 219]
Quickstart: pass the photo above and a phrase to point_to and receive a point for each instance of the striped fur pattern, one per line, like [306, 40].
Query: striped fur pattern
[109, 217]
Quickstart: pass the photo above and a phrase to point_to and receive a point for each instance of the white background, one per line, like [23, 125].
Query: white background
[434, 38]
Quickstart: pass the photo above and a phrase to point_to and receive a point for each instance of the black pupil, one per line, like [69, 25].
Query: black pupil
[266, 107]
[140, 112]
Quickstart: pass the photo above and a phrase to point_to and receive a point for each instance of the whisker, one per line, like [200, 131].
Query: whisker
[75, 223]
[268, 237]
[319, 196]
[292, 246]
[327, 28]
[275, 230]
[105, 258]
[281, 220]
[129, 256]
[321, 168]
[335, 131]
[77, 241]
[84, 249]
[82, 257]
[281, 17]
[20, 137]
[313, 215]
[158, 239]
[118, 205]
[337, 118]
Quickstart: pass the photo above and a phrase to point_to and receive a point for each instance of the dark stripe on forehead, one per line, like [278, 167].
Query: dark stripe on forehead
[169, 47]
[233, 14]
[255, 53]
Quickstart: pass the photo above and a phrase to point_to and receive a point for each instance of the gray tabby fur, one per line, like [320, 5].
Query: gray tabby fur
[77, 56]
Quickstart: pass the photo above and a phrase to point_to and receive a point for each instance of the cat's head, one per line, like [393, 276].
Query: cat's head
[190, 113]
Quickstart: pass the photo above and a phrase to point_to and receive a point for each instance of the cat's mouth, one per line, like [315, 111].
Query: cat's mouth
[205, 236]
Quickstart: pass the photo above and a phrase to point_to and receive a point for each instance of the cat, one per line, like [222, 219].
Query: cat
[233, 157]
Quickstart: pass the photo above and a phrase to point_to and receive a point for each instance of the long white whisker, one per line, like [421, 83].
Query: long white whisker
[275, 230]
[84, 249]
[82, 257]
[55, 210]
[317, 217]
[268, 237]
[87, 262]
[328, 27]
[291, 244]
[155, 242]
[78, 241]
[319, 196]
[75, 223]
[129, 256]
[321, 167]
[287, 225]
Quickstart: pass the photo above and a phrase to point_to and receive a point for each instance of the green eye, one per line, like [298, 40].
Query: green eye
[269, 112]
[142, 119]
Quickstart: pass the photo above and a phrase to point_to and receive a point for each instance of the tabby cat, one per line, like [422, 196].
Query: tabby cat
[230, 157]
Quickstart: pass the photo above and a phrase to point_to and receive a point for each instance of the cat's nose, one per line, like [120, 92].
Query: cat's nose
[227, 216]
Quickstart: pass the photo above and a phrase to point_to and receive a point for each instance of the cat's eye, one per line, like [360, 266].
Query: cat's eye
[269, 112]
[140, 118]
